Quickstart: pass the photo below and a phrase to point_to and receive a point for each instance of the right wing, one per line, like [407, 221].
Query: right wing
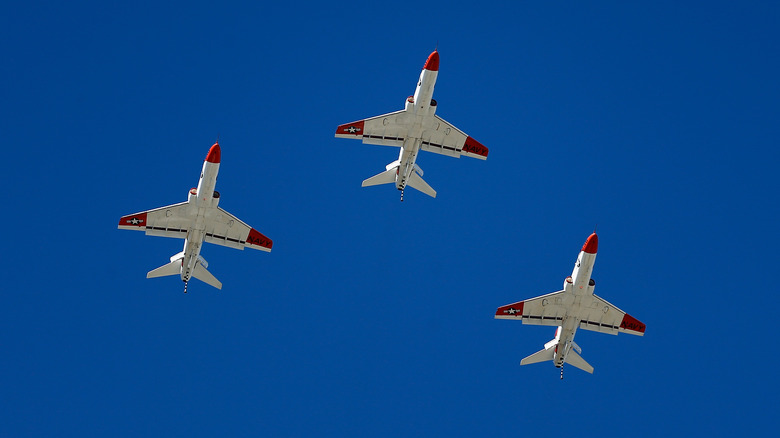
[222, 228]
[386, 130]
[544, 310]
[445, 139]
[599, 315]
[169, 221]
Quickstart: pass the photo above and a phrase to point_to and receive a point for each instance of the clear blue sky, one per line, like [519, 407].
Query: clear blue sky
[371, 317]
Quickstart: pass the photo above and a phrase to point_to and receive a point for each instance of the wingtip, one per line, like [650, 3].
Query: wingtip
[354, 129]
[133, 220]
[514, 310]
[475, 148]
[633, 324]
[258, 239]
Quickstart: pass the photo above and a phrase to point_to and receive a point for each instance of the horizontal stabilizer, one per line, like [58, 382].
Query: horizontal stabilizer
[172, 268]
[416, 181]
[386, 177]
[574, 359]
[205, 276]
[539, 356]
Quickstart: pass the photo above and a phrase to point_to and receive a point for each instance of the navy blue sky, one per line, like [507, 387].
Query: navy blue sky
[658, 122]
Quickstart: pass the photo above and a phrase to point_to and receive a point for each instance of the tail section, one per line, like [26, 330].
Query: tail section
[416, 181]
[201, 273]
[539, 356]
[386, 177]
[172, 268]
[574, 359]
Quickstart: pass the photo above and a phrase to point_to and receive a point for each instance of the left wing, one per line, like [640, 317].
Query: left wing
[169, 221]
[445, 139]
[387, 129]
[544, 310]
[222, 228]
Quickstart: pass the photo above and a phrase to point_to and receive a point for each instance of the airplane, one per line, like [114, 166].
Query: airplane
[414, 128]
[576, 306]
[196, 221]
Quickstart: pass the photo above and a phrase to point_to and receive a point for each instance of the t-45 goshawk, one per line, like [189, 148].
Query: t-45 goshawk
[414, 128]
[196, 221]
[576, 306]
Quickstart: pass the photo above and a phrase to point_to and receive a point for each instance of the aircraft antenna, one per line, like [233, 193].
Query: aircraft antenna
[185, 291]
[561, 371]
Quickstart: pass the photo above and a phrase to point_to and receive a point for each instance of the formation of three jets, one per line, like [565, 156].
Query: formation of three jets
[414, 128]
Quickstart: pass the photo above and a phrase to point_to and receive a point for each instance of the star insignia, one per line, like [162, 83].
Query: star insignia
[511, 311]
[352, 129]
[135, 221]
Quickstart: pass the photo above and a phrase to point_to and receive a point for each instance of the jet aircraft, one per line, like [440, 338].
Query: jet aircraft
[414, 128]
[196, 221]
[576, 306]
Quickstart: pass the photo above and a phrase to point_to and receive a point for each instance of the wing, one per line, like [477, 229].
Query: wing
[595, 313]
[222, 228]
[387, 130]
[599, 315]
[169, 221]
[444, 138]
[544, 310]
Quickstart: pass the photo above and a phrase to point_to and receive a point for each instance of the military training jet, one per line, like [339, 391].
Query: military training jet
[196, 221]
[576, 306]
[414, 128]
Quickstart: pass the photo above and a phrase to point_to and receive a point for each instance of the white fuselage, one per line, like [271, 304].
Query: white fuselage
[576, 287]
[420, 112]
[200, 201]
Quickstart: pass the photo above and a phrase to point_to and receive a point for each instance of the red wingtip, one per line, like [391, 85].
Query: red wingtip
[633, 324]
[592, 244]
[215, 154]
[514, 309]
[257, 238]
[432, 63]
[134, 220]
[354, 128]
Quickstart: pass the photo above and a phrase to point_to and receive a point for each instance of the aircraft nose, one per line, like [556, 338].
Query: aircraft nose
[215, 154]
[592, 244]
[432, 63]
